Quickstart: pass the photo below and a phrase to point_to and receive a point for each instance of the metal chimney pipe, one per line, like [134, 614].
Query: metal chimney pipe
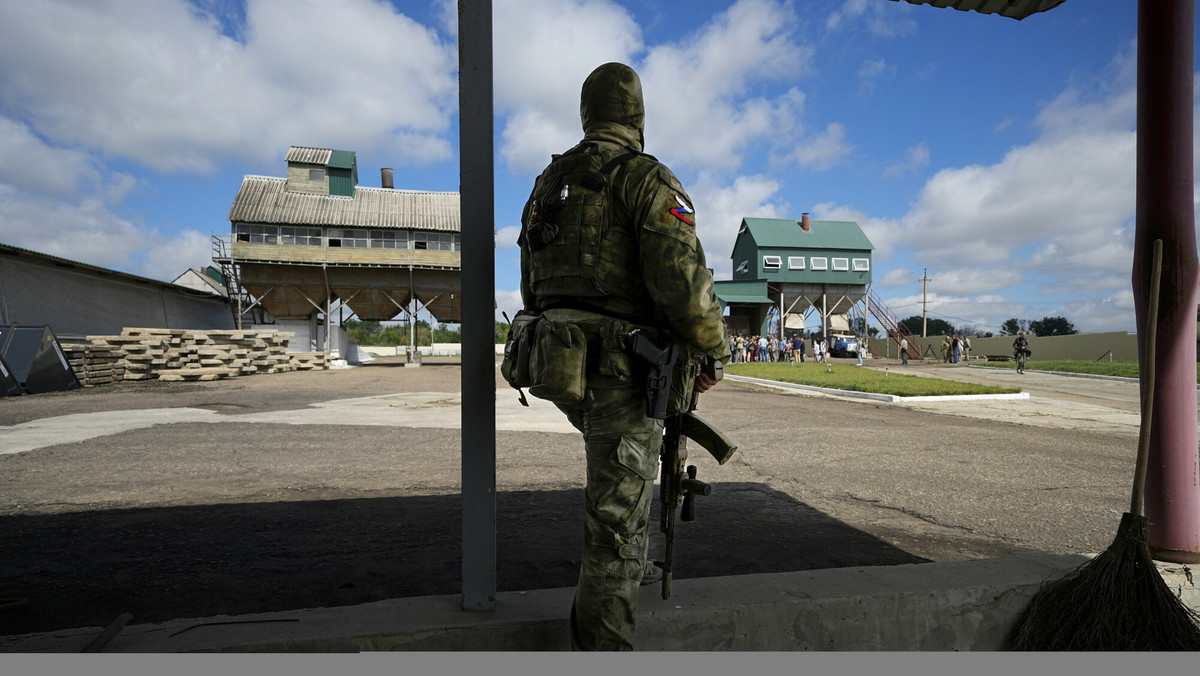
[386, 174]
[804, 222]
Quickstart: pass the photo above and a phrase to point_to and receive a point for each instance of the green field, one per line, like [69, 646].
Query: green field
[858, 379]
[1124, 369]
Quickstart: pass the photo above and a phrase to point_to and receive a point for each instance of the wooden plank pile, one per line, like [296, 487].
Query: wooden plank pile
[94, 364]
[176, 355]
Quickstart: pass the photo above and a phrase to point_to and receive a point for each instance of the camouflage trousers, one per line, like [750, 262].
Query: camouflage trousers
[622, 447]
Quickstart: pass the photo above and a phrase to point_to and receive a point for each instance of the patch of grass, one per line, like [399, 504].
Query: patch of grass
[1124, 369]
[858, 379]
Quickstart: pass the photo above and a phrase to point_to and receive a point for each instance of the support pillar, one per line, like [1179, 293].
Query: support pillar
[1165, 211]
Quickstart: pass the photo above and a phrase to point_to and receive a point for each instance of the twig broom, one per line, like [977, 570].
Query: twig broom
[1118, 600]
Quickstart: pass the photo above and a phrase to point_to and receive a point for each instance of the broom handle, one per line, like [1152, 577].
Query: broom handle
[1143, 456]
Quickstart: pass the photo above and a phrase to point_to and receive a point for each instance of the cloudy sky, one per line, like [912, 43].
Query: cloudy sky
[996, 155]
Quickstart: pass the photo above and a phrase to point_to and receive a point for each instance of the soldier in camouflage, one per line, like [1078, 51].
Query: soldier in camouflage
[608, 243]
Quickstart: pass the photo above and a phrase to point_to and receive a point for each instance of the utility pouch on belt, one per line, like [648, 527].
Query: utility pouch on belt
[515, 366]
[558, 362]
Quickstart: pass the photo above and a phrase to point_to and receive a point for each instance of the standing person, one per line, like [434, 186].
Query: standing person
[824, 349]
[606, 195]
[966, 348]
[946, 349]
[733, 348]
[763, 355]
[817, 349]
[903, 350]
[954, 349]
[785, 350]
[741, 349]
[798, 348]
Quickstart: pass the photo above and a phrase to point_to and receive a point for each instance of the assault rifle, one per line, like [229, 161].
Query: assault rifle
[678, 484]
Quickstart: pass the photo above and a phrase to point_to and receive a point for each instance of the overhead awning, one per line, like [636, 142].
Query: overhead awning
[753, 292]
[1013, 9]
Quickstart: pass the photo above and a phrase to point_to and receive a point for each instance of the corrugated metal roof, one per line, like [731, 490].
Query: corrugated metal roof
[16, 251]
[341, 159]
[1013, 9]
[786, 233]
[263, 199]
[307, 155]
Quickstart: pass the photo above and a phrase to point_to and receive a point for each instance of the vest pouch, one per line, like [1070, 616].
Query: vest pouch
[517, 347]
[558, 362]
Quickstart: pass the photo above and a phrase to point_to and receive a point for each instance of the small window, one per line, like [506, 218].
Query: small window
[772, 262]
[795, 262]
[862, 264]
[389, 239]
[316, 174]
[841, 264]
[819, 263]
[437, 241]
[258, 234]
[300, 236]
[744, 266]
[347, 238]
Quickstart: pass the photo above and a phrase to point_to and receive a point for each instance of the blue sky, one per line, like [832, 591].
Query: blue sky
[996, 154]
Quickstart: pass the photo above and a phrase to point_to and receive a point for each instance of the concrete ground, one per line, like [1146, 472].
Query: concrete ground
[969, 502]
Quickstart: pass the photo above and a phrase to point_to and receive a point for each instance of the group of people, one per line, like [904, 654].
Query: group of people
[771, 348]
[955, 348]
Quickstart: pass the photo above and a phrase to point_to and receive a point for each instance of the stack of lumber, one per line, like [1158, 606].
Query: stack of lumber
[303, 361]
[175, 354]
[94, 364]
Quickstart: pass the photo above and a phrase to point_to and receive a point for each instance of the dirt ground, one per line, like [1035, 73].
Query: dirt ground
[200, 520]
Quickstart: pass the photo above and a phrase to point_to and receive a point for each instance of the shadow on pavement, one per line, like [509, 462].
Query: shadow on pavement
[83, 569]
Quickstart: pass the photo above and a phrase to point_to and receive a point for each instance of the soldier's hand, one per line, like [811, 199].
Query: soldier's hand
[704, 382]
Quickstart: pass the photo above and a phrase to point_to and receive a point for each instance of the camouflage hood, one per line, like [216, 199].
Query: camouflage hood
[611, 105]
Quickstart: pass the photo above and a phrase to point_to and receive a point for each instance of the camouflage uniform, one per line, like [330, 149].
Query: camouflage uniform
[648, 272]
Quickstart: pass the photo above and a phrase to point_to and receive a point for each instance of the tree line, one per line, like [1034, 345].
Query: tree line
[1046, 326]
[376, 333]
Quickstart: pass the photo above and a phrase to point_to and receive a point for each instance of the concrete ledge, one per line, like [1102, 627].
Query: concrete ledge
[955, 606]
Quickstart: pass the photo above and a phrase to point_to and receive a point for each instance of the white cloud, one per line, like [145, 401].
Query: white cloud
[721, 208]
[168, 257]
[1050, 219]
[506, 238]
[107, 76]
[508, 302]
[870, 73]
[822, 151]
[544, 49]
[694, 89]
[163, 84]
[915, 159]
[882, 232]
[882, 19]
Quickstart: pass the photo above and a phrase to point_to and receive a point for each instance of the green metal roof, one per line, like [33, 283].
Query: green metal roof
[733, 291]
[341, 159]
[781, 233]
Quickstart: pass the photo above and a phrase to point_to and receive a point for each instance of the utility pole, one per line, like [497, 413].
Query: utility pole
[924, 299]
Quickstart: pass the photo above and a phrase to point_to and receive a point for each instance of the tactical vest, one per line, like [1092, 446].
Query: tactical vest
[575, 248]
